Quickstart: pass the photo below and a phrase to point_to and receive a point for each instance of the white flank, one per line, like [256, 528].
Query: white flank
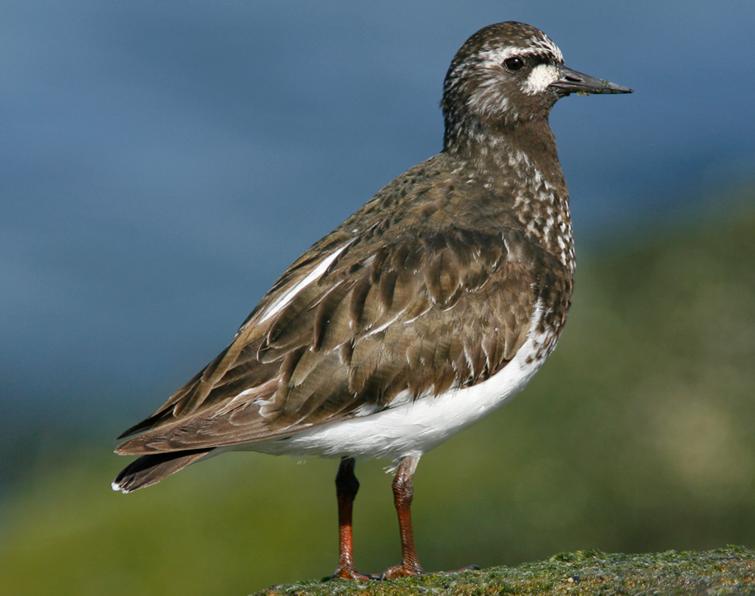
[540, 78]
[312, 276]
[417, 426]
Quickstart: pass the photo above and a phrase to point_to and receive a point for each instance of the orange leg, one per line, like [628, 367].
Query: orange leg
[347, 487]
[403, 492]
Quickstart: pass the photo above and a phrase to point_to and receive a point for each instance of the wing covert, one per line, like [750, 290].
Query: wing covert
[371, 326]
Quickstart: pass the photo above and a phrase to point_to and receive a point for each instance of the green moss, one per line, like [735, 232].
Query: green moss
[729, 570]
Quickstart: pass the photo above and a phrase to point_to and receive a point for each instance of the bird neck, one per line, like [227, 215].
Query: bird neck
[519, 165]
[494, 146]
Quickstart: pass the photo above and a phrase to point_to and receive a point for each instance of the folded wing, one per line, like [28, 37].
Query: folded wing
[346, 330]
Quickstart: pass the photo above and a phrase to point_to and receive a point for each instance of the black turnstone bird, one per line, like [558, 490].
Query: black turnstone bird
[425, 310]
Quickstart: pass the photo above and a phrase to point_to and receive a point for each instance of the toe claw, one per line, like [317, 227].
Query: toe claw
[348, 573]
[403, 570]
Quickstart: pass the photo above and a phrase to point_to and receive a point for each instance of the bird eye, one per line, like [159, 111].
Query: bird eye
[513, 63]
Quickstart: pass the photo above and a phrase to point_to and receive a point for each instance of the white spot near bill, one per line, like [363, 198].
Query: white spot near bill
[540, 78]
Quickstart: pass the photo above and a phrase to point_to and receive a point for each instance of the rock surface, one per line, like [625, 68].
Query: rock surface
[729, 570]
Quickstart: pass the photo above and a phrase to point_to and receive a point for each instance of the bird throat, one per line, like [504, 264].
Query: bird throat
[519, 165]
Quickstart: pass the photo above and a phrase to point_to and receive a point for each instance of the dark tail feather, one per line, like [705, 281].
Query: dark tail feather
[147, 423]
[151, 469]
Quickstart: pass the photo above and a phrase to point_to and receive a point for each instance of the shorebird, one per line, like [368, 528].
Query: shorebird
[426, 309]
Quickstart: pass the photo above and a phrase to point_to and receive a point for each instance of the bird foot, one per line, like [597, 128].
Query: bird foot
[403, 570]
[349, 573]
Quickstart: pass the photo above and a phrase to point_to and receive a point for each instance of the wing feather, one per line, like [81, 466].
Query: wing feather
[371, 327]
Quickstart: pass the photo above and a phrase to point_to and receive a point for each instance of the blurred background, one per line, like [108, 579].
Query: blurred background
[161, 163]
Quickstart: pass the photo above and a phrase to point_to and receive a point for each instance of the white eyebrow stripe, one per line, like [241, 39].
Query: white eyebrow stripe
[500, 54]
[312, 276]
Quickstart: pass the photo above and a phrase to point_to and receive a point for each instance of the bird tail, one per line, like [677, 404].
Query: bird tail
[151, 469]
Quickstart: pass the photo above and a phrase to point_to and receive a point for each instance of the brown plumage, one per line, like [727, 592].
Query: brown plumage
[320, 357]
[456, 270]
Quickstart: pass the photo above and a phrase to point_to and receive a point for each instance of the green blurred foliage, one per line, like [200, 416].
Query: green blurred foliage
[636, 436]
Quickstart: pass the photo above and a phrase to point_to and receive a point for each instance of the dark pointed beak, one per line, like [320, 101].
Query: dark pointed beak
[573, 81]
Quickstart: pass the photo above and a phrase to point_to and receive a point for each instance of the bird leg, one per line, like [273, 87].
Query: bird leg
[403, 492]
[347, 487]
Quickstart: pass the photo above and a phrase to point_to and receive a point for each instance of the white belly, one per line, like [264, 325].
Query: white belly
[414, 427]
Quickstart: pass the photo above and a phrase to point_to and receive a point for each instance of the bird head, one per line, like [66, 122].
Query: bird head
[511, 72]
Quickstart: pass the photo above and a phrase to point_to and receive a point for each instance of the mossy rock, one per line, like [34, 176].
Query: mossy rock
[729, 570]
